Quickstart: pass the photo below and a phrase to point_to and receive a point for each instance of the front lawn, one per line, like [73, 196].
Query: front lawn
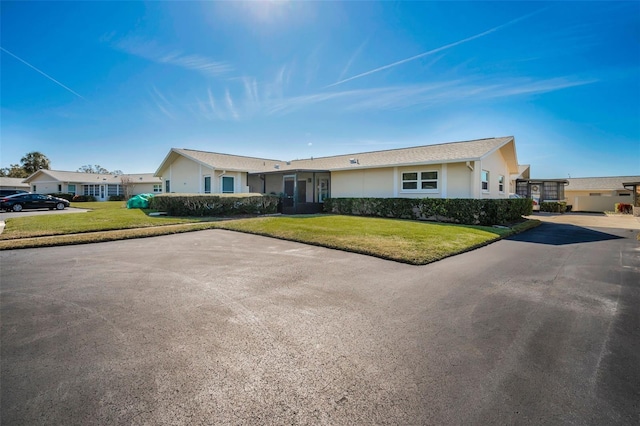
[400, 240]
[406, 241]
[104, 216]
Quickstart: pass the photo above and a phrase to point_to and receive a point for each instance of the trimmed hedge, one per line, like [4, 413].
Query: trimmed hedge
[214, 205]
[83, 198]
[116, 197]
[456, 210]
[553, 206]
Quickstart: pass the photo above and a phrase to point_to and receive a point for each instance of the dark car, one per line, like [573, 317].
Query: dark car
[19, 202]
[5, 192]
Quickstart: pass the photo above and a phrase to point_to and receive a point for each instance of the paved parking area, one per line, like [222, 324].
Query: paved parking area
[8, 215]
[591, 220]
[216, 327]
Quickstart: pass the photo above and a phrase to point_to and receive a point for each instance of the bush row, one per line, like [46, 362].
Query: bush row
[83, 198]
[214, 205]
[456, 210]
[553, 206]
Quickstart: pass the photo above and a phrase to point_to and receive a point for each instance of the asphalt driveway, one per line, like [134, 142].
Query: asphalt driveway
[8, 215]
[216, 327]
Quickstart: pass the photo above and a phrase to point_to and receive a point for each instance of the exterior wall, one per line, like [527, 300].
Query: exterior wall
[496, 165]
[184, 176]
[597, 204]
[363, 183]
[45, 185]
[606, 201]
[459, 181]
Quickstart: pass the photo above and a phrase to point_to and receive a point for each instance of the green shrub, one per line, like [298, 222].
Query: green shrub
[214, 205]
[116, 198]
[455, 210]
[553, 206]
[83, 198]
[63, 195]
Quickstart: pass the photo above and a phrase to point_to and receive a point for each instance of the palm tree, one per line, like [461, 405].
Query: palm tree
[34, 161]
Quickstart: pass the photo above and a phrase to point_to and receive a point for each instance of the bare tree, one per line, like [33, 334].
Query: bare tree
[127, 186]
[88, 168]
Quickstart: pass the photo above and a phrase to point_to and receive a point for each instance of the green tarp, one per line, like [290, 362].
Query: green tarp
[140, 201]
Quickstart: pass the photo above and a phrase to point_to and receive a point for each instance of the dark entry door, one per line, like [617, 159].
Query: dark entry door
[302, 191]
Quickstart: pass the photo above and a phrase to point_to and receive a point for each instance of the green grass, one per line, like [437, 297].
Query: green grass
[400, 240]
[104, 216]
[405, 241]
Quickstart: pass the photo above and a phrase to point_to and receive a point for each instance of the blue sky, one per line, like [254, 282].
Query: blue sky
[120, 83]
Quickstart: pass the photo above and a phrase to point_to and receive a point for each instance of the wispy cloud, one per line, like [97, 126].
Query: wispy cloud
[352, 58]
[41, 72]
[439, 49]
[231, 105]
[151, 52]
[162, 103]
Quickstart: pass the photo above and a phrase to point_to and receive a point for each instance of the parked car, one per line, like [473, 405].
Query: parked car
[5, 192]
[19, 202]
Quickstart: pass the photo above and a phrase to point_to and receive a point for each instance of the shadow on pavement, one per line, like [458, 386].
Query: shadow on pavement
[557, 234]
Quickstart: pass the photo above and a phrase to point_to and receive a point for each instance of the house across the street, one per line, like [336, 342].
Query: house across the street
[101, 186]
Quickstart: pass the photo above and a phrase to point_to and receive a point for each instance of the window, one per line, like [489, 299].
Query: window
[227, 184]
[485, 181]
[92, 190]
[167, 186]
[113, 190]
[59, 187]
[71, 189]
[591, 194]
[34, 188]
[426, 181]
[157, 187]
[207, 185]
[501, 183]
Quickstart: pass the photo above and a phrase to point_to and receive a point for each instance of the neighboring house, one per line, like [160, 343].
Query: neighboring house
[598, 194]
[101, 186]
[13, 183]
[484, 168]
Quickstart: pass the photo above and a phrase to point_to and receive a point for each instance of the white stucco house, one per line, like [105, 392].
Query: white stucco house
[483, 168]
[101, 186]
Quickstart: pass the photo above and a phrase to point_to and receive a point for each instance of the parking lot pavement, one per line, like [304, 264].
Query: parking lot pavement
[216, 327]
[591, 220]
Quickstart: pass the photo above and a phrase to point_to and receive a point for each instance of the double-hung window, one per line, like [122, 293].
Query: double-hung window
[485, 181]
[501, 184]
[420, 181]
[157, 187]
[207, 184]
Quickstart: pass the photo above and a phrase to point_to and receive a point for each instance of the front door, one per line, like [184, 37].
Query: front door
[302, 191]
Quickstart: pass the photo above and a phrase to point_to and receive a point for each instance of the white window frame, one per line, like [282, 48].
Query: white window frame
[419, 181]
[71, 191]
[157, 187]
[485, 182]
[501, 184]
[204, 184]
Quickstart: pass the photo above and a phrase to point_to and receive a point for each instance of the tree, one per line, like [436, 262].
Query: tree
[14, 171]
[34, 161]
[88, 168]
[127, 186]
